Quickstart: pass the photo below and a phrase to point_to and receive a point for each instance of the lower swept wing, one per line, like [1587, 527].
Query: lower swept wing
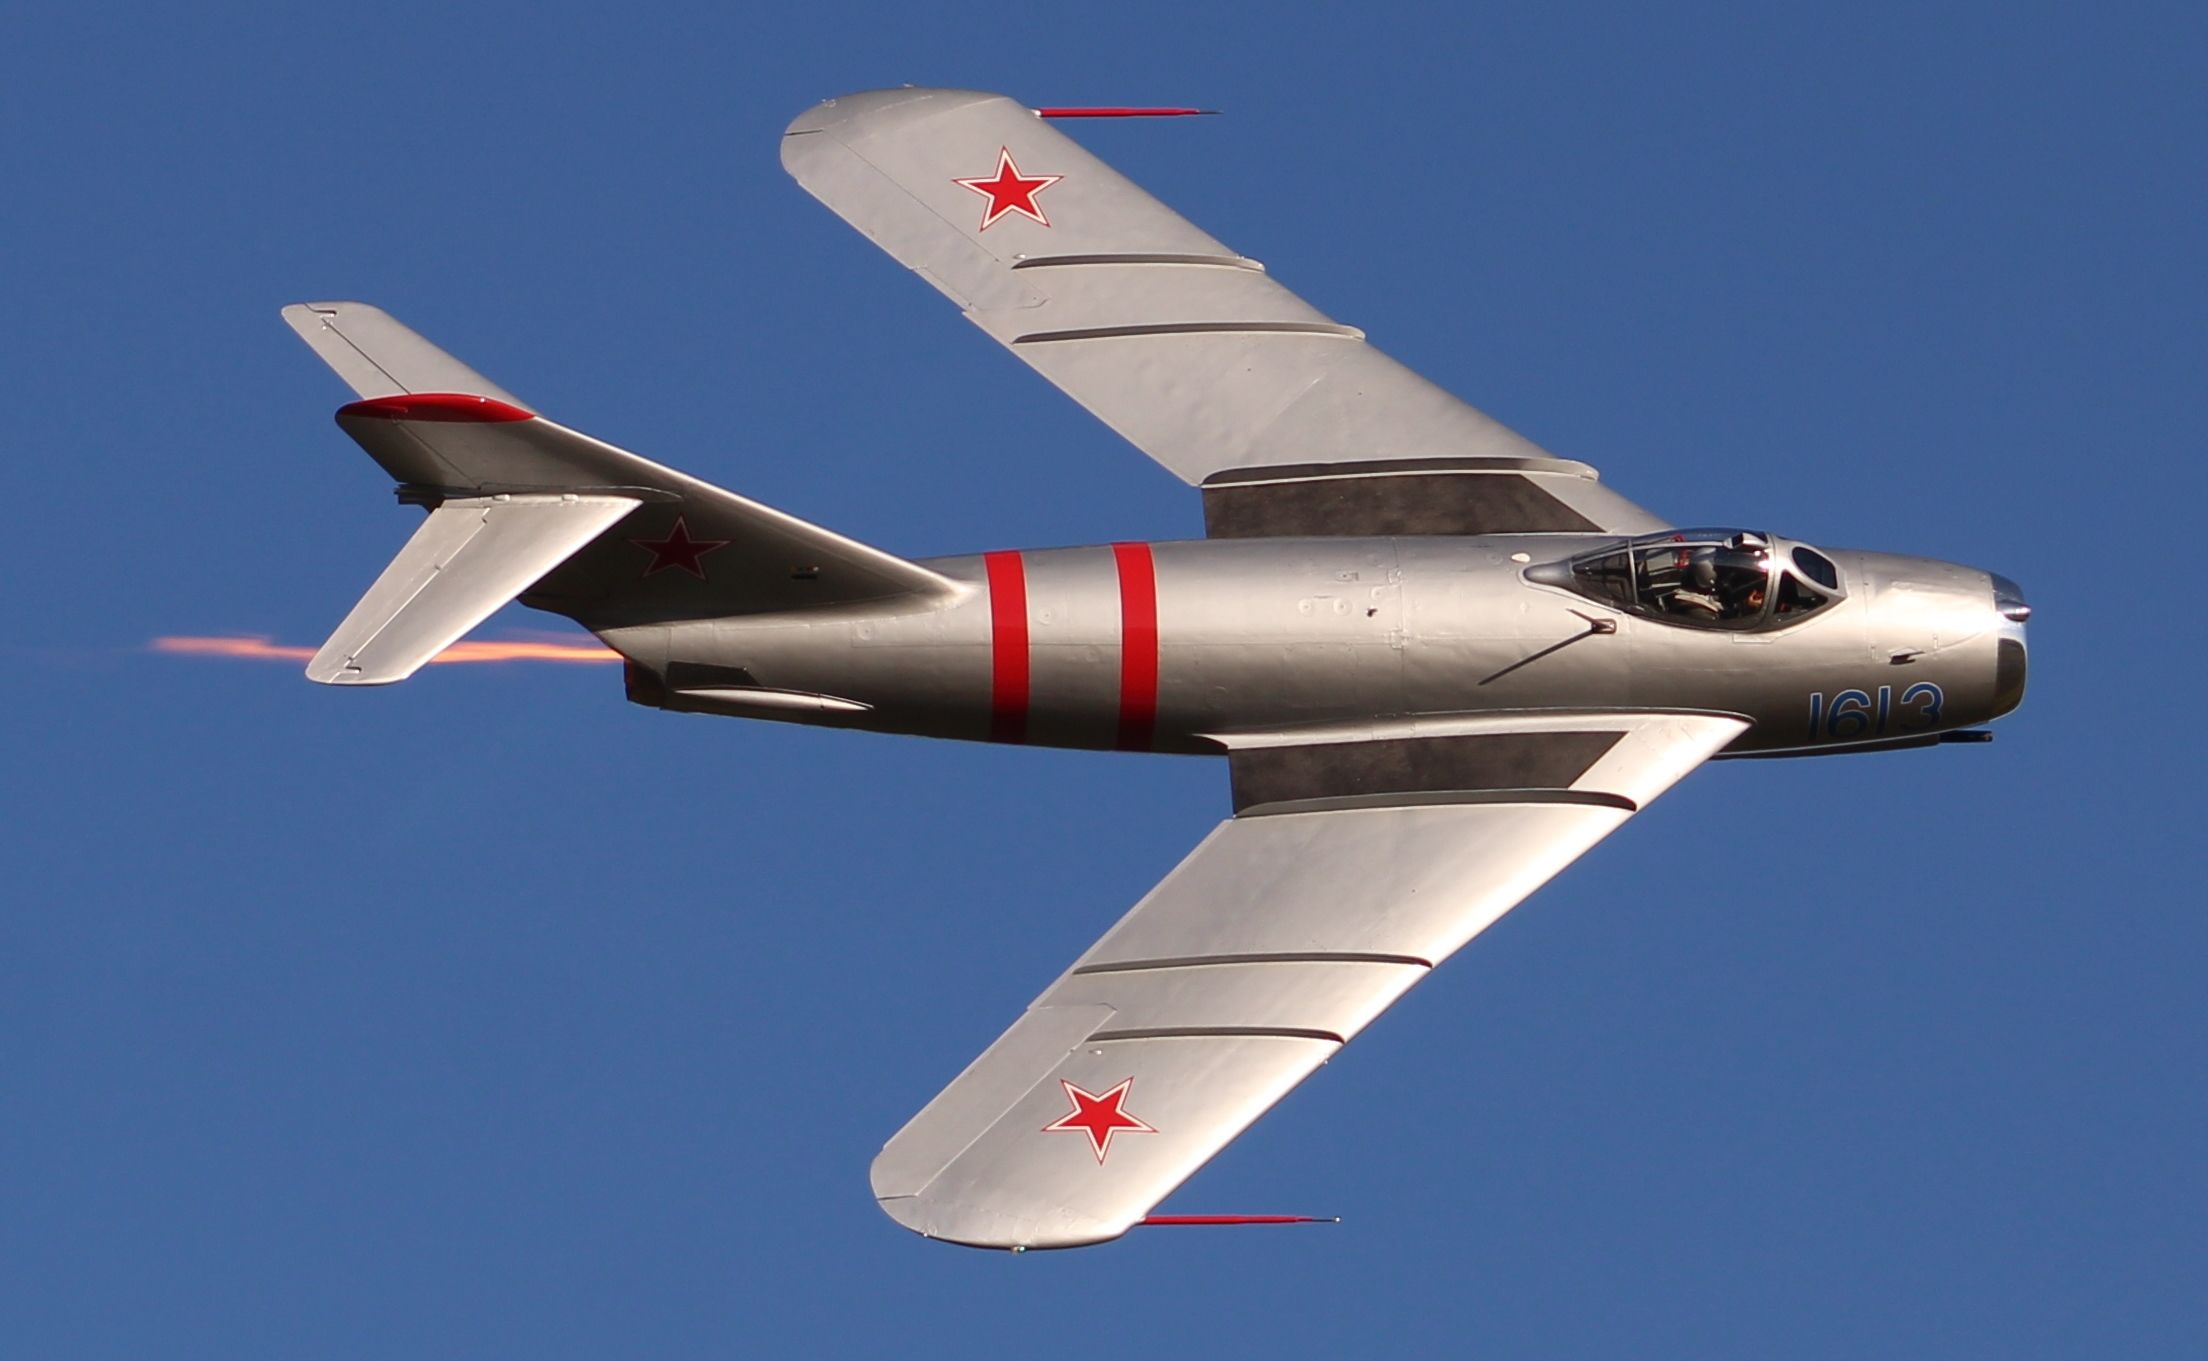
[1290, 421]
[1350, 871]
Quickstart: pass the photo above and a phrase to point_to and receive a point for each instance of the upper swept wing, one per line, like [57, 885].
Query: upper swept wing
[1292, 423]
[1282, 935]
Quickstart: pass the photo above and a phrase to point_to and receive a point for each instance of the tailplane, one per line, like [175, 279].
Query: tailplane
[523, 507]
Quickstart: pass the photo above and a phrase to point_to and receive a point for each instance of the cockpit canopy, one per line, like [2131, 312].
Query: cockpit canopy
[1707, 578]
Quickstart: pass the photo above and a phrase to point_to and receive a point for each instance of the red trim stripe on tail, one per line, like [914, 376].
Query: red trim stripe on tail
[437, 406]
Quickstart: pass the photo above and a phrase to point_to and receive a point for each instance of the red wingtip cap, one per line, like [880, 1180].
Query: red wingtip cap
[436, 406]
[1206, 1221]
[1116, 111]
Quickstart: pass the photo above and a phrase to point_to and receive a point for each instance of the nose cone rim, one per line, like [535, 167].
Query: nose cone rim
[2011, 660]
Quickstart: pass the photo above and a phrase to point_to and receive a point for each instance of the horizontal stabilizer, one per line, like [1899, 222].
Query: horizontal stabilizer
[470, 557]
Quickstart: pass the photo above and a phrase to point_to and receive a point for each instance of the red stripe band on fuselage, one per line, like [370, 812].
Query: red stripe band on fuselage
[1138, 645]
[1008, 664]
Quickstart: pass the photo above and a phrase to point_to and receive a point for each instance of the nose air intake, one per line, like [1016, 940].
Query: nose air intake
[2010, 660]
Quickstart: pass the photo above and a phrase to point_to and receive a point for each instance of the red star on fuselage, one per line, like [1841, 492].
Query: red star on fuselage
[1099, 1117]
[1008, 191]
[678, 549]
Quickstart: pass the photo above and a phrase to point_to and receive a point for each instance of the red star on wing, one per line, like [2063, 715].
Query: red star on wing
[1099, 1117]
[678, 549]
[1008, 191]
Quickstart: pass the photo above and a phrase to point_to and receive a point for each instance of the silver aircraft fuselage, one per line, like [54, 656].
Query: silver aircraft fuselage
[1440, 662]
[1191, 646]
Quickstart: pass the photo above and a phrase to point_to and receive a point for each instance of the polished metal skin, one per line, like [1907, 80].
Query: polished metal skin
[1439, 663]
[1270, 635]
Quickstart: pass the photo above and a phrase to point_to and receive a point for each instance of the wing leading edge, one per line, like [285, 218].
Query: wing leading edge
[1280, 937]
[1290, 421]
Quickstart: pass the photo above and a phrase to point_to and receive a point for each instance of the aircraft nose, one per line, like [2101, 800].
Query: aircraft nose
[2011, 659]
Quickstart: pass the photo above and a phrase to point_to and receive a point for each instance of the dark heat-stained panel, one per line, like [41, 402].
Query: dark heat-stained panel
[1479, 762]
[1413, 501]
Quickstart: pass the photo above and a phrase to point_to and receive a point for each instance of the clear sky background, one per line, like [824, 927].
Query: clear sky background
[488, 1015]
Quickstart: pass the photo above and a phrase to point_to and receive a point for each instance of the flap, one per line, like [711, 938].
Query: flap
[1380, 497]
[1622, 759]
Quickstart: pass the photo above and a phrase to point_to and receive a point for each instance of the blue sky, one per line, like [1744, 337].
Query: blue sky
[489, 1015]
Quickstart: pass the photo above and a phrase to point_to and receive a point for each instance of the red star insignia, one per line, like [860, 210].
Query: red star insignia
[1008, 191]
[1099, 1117]
[678, 549]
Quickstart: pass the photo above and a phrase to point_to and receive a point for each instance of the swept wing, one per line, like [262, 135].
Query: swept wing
[1290, 421]
[1351, 869]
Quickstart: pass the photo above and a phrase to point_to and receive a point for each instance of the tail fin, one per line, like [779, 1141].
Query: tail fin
[521, 506]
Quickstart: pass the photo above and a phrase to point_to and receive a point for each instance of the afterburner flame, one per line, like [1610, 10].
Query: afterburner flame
[259, 647]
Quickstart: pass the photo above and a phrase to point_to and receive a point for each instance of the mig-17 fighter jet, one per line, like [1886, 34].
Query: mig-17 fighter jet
[1439, 663]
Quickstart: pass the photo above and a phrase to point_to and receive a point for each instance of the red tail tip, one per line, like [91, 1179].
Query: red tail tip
[465, 407]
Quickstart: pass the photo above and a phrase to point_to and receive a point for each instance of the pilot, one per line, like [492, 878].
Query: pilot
[1697, 593]
[1745, 578]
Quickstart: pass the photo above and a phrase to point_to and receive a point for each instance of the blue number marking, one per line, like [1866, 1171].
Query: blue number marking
[1929, 715]
[1851, 715]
